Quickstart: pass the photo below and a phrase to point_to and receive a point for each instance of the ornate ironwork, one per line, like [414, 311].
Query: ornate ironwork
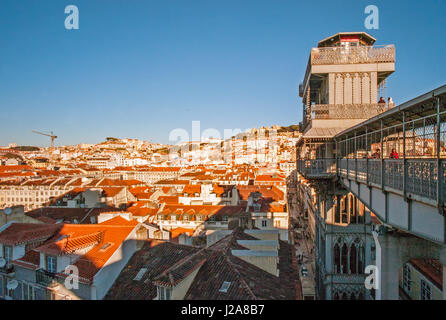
[347, 111]
[352, 55]
[421, 174]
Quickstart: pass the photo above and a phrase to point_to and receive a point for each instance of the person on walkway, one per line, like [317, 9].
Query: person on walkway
[390, 102]
[376, 154]
[394, 154]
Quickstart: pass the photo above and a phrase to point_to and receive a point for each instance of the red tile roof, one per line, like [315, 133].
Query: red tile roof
[18, 233]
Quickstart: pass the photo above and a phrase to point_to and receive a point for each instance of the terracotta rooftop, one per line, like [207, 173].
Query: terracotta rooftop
[167, 264]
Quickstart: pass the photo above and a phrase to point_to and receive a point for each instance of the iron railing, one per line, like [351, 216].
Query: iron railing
[46, 278]
[347, 111]
[417, 177]
[317, 168]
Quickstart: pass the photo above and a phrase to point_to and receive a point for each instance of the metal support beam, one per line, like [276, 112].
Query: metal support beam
[438, 153]
[382, 156]
[404, 157]
[367, 156]
[356, 158]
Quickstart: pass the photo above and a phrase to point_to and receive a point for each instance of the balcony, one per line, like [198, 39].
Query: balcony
[352, 55]
[46, 278]
[346, 111]
[317, 169]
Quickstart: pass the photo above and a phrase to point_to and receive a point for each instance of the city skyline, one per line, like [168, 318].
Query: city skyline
[162, 66]
[245, 152]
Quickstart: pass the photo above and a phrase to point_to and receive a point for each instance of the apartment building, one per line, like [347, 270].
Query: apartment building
[36, 193]
[421, 279]
[171, 217]
[38, 258]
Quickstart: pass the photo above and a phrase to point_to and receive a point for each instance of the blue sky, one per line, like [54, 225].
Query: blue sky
[139, 69]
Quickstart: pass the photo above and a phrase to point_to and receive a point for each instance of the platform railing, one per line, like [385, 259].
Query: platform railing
[352, 55]
[317, 168]
[420, 178]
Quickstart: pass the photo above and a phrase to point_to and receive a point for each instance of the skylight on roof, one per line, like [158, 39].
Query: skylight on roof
[224, 287]
[141, 272]
[105, 246]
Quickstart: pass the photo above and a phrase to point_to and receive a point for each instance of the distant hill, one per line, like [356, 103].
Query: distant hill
[26, 148]
[291, 128]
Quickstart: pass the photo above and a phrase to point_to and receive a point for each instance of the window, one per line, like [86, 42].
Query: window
[407, 278]
[7, 253]
[164, 293]
[225, 286]
[264, 223]
[426, 291]
[51, 264]
[28, 291]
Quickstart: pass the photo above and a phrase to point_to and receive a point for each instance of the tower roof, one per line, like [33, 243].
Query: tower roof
[363, 37]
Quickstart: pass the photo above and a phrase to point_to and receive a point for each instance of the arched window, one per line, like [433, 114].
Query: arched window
[337, 211]
[337, 258]
[344, 259]
[352, 209]
[361, 260]
[353, 259]
[344, 202]
[357, 257]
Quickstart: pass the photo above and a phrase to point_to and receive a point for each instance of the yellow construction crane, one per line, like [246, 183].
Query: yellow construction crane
[52, 136]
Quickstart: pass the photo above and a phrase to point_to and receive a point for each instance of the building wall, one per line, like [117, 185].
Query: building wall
[415, 288]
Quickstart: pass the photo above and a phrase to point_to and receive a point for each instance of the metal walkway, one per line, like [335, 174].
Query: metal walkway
[395, 163]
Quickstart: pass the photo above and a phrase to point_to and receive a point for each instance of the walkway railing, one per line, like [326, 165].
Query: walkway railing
[320, 168]
[418, 177]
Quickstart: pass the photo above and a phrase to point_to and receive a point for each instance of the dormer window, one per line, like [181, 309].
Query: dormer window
[51, 264]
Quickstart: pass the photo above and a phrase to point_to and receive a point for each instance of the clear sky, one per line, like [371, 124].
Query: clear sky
[139, 69]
